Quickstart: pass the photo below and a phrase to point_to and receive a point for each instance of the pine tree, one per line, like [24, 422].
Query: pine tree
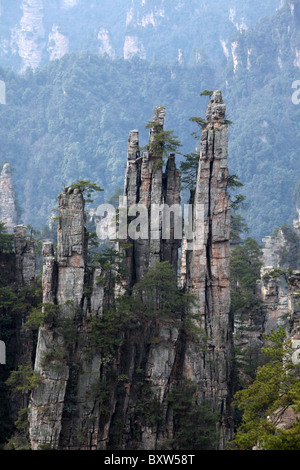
[275, 389]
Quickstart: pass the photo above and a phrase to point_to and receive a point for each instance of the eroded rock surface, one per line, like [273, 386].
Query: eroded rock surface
[208, 268]
[8, 213]
[155, 354]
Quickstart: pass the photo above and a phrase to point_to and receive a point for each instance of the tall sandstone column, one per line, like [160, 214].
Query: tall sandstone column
[66, 374]
[151, 186]
[63, 412]
[148, 185]
[8, 213]
[208, 362]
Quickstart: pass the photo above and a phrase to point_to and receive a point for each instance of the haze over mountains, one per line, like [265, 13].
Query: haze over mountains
[36, 31]
[70, 118]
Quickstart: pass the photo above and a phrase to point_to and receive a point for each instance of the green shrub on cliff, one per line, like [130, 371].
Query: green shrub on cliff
[275, 390]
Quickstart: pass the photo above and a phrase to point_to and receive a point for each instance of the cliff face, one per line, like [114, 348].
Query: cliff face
[17, 291]
[278, 292]
[117, 355]
[148, 186]
[122, 399]
[8, 213]
[66, 374]
[36, 31]
[208, 266]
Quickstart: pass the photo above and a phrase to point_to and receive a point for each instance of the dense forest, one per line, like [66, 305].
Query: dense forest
[66, 123]
[71, 119]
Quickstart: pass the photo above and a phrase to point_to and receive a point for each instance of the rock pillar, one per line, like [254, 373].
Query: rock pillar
[66, 374]
[157, 192]
[8, 213]
[208, 362]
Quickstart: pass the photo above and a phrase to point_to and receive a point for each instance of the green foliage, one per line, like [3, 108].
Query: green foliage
[275, 389]
[273, 274]
[87, 188]
[201, 124]
[22, 422]
[158, 294]
[24, 379]
[102, 392]
[105, 334]
[234, 182]
[207, 93]
[43, 313]
[16, 305]
[188, 168]
[19, 441]
[156, 298]
[245, 265]
[6, 240]
[289, 254]
[55, 358]
[163, 143]
[194, 424]
[114, 271]
[246, 306]
[238, 225]
[148, 409]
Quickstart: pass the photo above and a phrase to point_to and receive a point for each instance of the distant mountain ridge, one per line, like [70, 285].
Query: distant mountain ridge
[34, 32]
[71, 118]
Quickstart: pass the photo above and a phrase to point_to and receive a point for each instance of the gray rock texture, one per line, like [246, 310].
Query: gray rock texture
[8, 213]
[25, 256]
[66, 373]
[207, 269]
[147, 185]
[64, 413]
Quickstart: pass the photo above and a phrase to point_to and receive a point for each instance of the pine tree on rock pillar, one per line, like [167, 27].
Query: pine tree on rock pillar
[208, 360]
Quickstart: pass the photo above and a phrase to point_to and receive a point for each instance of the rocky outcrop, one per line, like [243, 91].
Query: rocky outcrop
[18, 279]
[58, 43]
[8, 213]
[25, 257]
[89, 399]
[64, 370]
[106, 47]
[29, 35]
[155, 191]
[279, 278]
[208, 268]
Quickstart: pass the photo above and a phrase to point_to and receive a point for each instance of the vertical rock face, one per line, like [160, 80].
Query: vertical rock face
[176, 357]
[57, 362]
[19, 272]
[156, 353]
[25, 257]
[208, 266]
[30, 34]
[58, 43]
[71, 247]
[8, 213]
[148, 186]
[157, 193]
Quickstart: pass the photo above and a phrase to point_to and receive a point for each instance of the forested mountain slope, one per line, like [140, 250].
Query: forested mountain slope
[70, 119]
[32, 32]
[265, 138]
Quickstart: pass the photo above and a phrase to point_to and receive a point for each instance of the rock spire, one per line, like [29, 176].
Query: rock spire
[8, 213]
[208, 276]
